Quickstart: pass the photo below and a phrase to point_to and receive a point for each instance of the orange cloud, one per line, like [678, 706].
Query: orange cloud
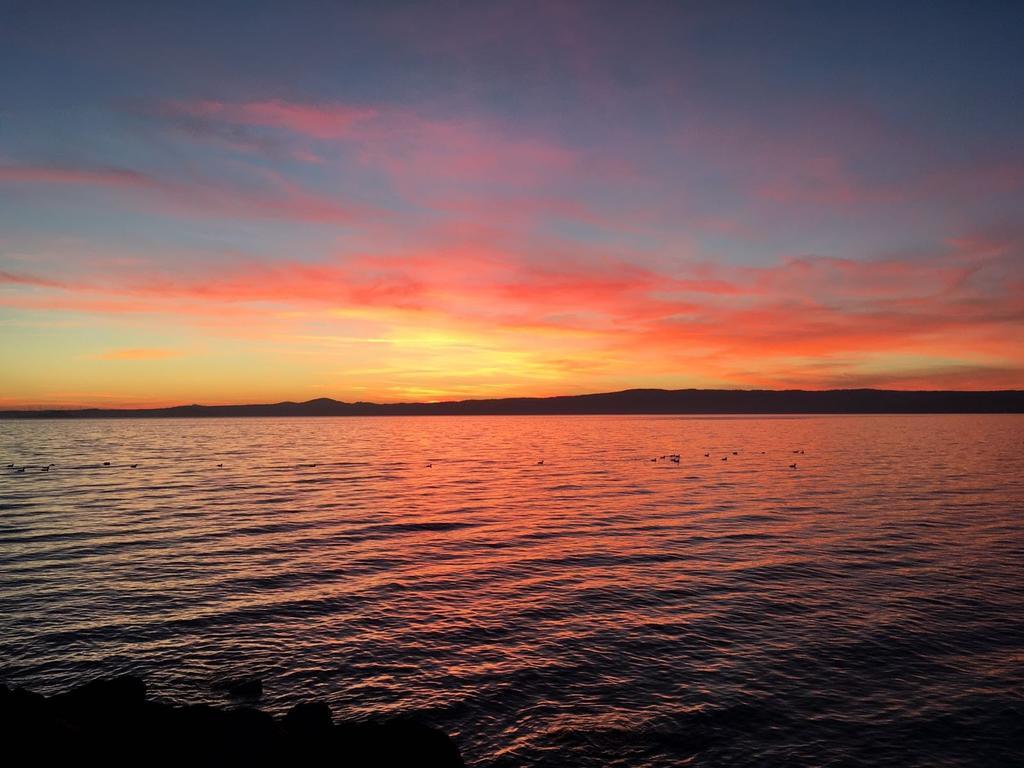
[469, 313]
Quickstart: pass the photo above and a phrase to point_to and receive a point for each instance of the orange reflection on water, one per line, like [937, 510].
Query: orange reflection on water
[433, 565]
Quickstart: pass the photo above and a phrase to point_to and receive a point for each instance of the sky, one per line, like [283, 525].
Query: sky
[236, 202]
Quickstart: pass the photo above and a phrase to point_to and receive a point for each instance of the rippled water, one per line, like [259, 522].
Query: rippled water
[599, 609]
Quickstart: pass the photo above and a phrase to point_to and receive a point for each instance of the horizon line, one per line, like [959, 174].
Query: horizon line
[430, 405]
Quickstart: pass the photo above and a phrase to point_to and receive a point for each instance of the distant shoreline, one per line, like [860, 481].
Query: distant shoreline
[654, 402]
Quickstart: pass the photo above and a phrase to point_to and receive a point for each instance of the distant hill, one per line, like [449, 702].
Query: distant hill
[630, 401]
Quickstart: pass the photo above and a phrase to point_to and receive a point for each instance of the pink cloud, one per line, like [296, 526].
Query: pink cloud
[843, 157]
[105, 177]
[407, 145]
[330, 121]
[275, 198]
[14, 278]
[699, 316]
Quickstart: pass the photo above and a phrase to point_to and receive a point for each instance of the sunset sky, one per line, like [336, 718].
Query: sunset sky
[250, 202]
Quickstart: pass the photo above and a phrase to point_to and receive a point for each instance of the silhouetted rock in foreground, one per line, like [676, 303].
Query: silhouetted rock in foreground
[112, 719]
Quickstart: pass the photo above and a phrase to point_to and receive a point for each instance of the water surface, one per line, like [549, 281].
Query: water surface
[598, 609]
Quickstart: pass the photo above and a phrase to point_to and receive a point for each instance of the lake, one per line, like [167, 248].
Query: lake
[548, 590]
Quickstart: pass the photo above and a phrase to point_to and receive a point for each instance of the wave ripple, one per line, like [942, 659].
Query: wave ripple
[607, 607]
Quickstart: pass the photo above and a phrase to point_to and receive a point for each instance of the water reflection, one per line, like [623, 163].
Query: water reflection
[597, 609]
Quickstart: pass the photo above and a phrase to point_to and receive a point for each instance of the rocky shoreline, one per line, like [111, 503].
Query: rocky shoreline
[114, 719]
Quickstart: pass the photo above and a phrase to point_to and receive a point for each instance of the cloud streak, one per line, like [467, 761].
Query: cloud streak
[273, 198]
[807, 321]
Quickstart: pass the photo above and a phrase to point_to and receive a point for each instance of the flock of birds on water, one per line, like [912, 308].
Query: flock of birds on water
[674, 458]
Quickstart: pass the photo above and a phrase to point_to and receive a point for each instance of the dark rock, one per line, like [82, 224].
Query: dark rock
[310, 718]
[200, 721]
[110, 720]
[249, 729]
[18, 706]
[102, 698]
[397, 743]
